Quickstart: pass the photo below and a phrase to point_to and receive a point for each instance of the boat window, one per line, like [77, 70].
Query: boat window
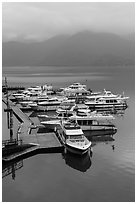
[94, 122]
[79, 122]
[84, 122]
[111, 101]
[71, 127]
[89, 122]
[76, 137]
[81, 114]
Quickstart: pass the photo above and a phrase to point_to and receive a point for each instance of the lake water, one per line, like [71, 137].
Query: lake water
[107, 176]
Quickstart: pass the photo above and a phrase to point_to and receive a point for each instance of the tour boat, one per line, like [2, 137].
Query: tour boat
[107, 95]
[44, 103]
[75, 88]
[106, 104]
[33, 106]
[40, 88]
[73, 138]
[94, 121]
[25, 103]
[82, 108]
[66, 107]
[18, 96]
[49, 104]
[59, 116]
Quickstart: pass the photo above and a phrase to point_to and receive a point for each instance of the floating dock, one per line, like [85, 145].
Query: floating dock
[37, 142]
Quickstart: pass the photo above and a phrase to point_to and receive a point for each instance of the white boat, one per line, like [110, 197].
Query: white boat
[34, 89]
[44, 103]
[59, 116]
[94, 115]
[18, 93]
[47, 87]
[75, 88]
[107, 95]
[73, 138]
[106, 104]
[31, 96]
[41, 98]
[66, 107]
[41, 88]
[33, 92]
[33, 106]
[26, 103]
[26, 96]
[49, 104]
[94, 121]
[82, 108]
[18, 96]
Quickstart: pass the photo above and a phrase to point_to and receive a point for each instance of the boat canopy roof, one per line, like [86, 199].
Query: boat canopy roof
[70, 126]
[73, 132]
[82, 106]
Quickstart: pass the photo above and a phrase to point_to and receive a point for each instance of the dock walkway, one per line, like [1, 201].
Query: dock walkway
[47, 142]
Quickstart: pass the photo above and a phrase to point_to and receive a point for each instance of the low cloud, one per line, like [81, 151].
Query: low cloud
[39, 21]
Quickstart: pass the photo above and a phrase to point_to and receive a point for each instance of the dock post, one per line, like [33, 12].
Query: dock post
[6, 86]
[9, 112]
[11, 125]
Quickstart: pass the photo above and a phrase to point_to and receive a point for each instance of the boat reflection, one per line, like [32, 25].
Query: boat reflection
[76, 162]
[10, 168]
[94, 133]
[107, 139]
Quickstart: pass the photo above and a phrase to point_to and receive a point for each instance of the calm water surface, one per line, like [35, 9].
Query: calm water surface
[107, 176]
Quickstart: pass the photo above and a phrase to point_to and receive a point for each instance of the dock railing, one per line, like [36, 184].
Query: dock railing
[6, 143]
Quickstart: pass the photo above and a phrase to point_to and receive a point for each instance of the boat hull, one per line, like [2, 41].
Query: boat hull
[90, 134]
[76, 150]
[106, 107]
[98, 127]
[48, 107]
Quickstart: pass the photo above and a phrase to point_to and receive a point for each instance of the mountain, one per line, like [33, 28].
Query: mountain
[83, 48]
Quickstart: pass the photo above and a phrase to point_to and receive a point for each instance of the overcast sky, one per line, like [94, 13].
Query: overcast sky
[39, 21]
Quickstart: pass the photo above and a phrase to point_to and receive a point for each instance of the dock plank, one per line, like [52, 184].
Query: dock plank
[48, 140]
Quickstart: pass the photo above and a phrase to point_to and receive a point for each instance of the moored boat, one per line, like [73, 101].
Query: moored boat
[75, 88]
[106, 104]
[66, 107]
[73, 138]
[107, 95]
[50, 104]
[94, 121]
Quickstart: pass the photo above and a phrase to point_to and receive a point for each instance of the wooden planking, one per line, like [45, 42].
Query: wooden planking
[44, 140]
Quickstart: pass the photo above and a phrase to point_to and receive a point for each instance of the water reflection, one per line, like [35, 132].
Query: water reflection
[96, 134]
[106, 139]
[76, 162]
[10, 168]
[113, 147]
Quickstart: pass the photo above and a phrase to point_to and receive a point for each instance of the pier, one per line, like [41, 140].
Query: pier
[26, 140]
